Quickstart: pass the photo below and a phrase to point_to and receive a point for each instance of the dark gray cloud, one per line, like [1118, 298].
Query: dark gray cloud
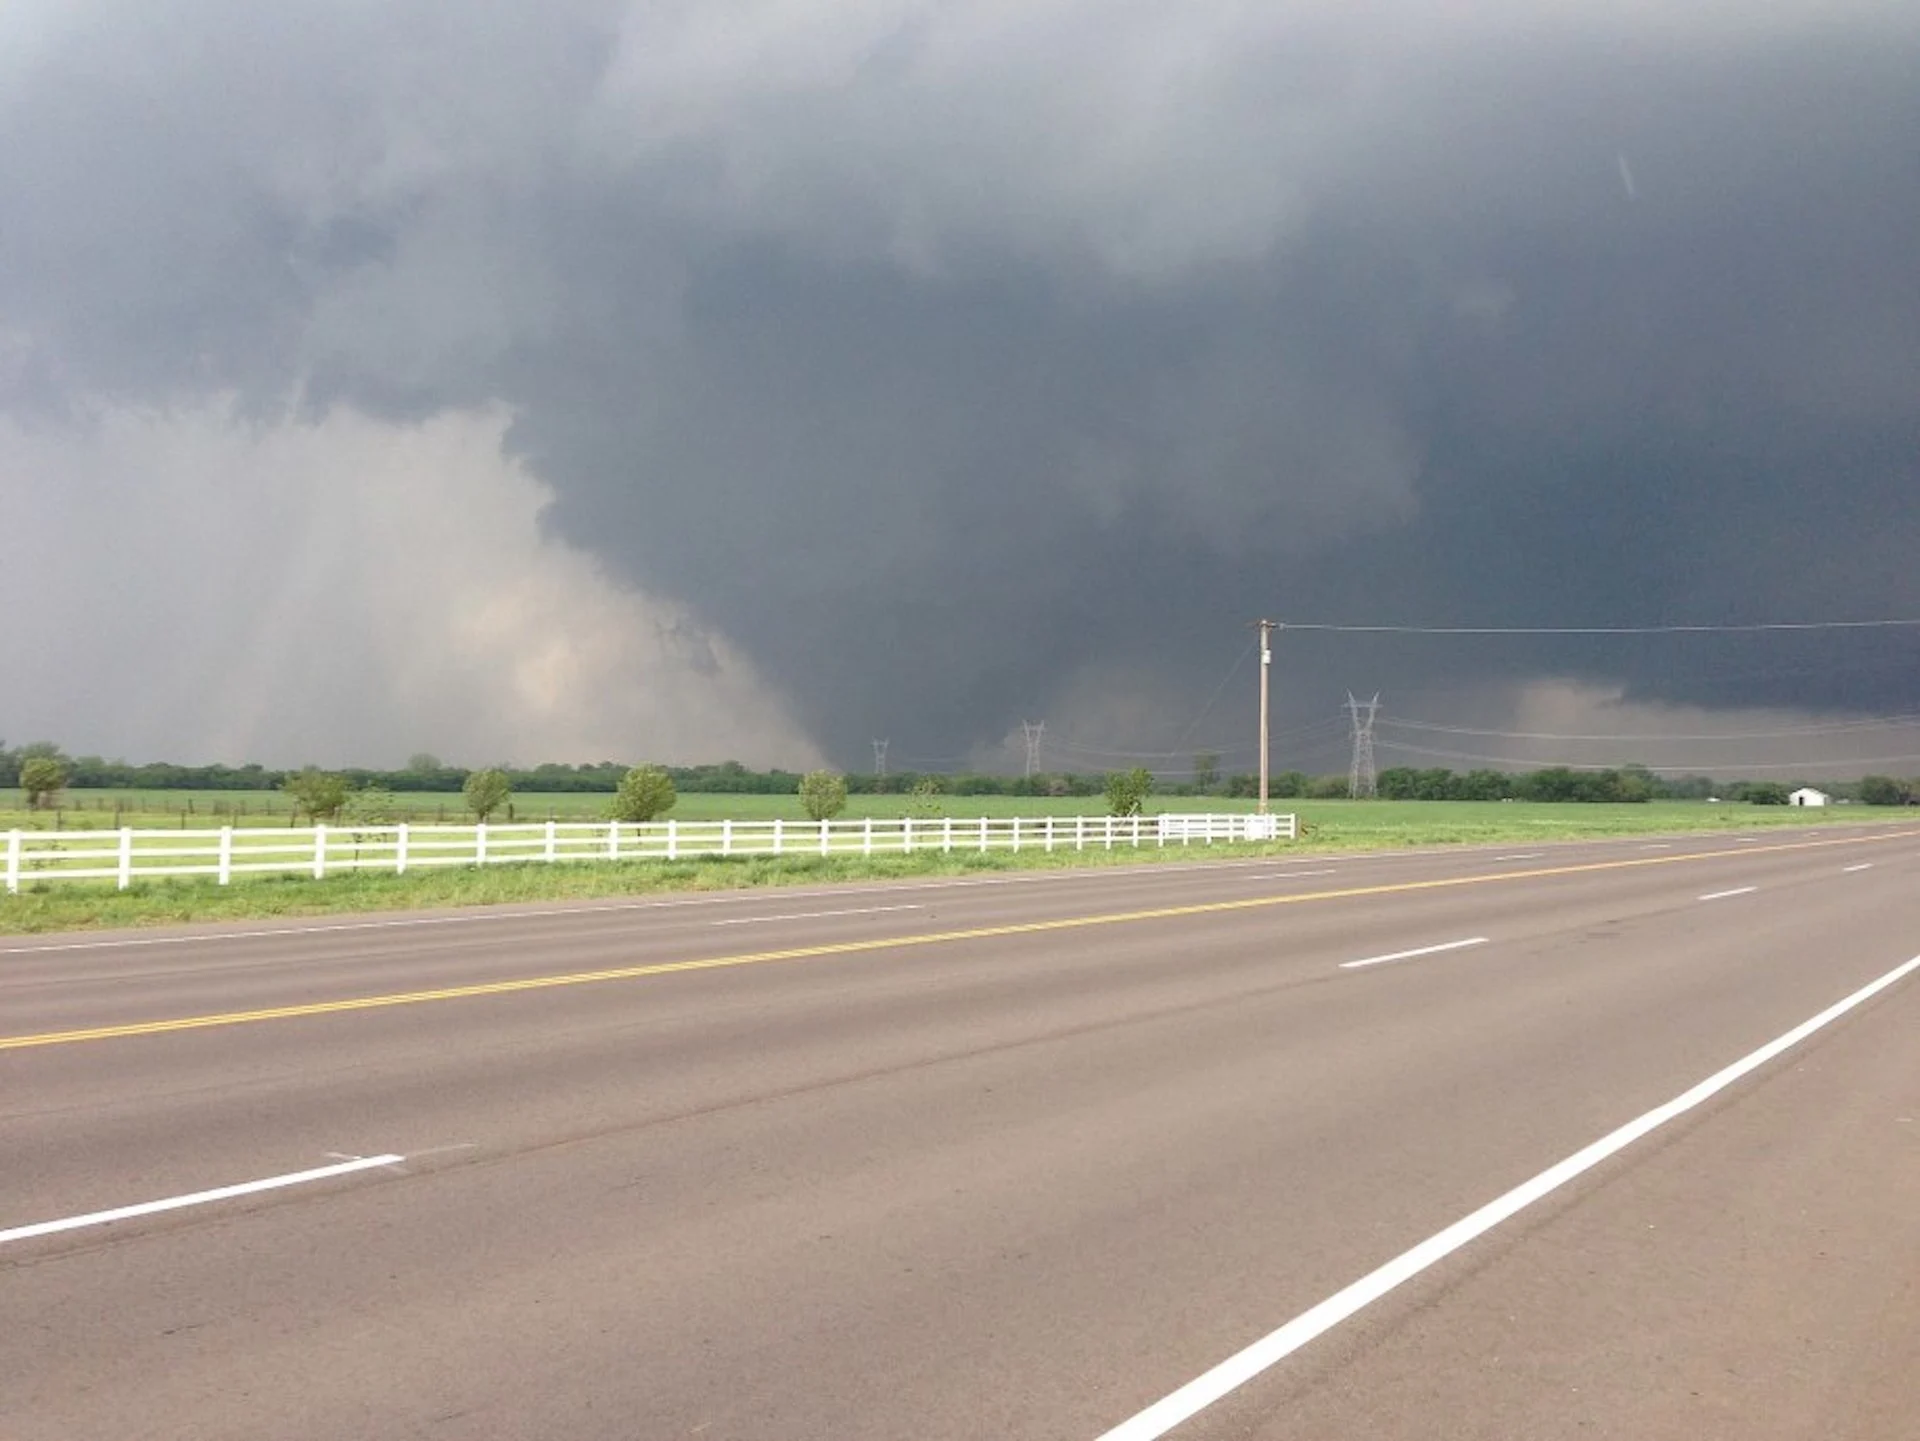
[961, 365]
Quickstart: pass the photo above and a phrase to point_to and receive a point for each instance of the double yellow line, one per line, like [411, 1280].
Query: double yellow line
[889, 943]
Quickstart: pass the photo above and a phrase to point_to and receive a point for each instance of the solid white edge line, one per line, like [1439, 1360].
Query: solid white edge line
[1417, 951]
[1277, 1345]
[1722, 895]
[198, 1198]
[813, 915]
[1863, 866]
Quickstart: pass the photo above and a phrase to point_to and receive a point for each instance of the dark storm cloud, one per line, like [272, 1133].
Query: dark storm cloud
[949, 360]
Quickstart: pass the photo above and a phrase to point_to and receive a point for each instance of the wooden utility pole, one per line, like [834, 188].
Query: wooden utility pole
[1266, 628]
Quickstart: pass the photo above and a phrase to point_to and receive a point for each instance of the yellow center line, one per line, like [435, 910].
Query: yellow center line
[888, 943]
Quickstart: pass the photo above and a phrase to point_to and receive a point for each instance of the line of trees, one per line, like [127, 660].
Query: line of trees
[51, 770]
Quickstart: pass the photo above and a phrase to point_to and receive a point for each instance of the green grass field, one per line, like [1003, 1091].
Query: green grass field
[1325, 826]
[89, 810]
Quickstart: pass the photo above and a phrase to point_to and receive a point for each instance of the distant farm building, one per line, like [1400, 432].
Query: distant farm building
[1808, 796]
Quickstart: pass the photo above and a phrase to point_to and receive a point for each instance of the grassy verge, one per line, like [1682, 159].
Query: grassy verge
[83, 905]
[1328, 826]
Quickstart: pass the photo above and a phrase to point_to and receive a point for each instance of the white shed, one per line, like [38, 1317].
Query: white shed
[1808, 796]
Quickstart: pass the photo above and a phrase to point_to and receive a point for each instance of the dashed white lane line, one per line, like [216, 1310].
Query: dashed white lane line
[197, 1198]
[813, 915]
[1234, 1372]
[1289, 875]
[1657, 846]
[1863, 866]
[1417, 951]
[1528, 856]
[1723, 895]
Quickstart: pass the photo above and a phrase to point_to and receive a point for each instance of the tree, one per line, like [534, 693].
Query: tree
[1206, 771]
[1127, 791]
[486, 791]
[823, 794]
[645, 793]
[1882, 791]
[424, 763]
[319, 793]
[1766, 793]
[41, 777]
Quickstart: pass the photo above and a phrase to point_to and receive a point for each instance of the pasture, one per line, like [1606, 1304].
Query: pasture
[1337, 823]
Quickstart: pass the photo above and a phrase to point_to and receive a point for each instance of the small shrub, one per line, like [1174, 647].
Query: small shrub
[486, 791]
[823, 794]
[645, 793]
[1127, 791]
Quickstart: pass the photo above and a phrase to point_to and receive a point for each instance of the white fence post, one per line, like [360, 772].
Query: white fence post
[726, 838]
[226, 854]
[1049, 835]
[1079, 833]
[126, 857]
[1109, 832]
[13, 862]
[480, 843]
[906, 835]
[777, 831]
[866, 838]
[673, 840]
[613, 840]
[400, 849]
[983, 835]
[552, 852]
[319, 850]
[1136, 830]
[1016, 835]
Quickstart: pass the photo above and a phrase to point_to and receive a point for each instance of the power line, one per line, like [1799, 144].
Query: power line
[1827, 728]
[1218, 691]
[1780, 625]
[1534, 763]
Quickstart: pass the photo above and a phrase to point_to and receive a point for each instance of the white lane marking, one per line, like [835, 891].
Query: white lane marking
[1657, 846]
[1277, 1345]
[1418, 951]
[1089, 875]
[1528, 856]
[1722, 895]
[813, 915]
[1289, 875]
[198, 1198]
[1863, 866]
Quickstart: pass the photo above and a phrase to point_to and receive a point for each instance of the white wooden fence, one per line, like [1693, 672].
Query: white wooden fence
[128, 854]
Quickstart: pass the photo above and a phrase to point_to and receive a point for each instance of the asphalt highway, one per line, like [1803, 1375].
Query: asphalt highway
[1610, 1139]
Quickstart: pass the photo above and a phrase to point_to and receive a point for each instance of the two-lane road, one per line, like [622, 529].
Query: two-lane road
[1014, 1156]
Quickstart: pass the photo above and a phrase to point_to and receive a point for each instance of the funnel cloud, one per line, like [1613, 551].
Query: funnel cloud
[661, 379]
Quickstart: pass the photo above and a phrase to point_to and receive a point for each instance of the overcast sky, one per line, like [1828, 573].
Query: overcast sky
[688, 380]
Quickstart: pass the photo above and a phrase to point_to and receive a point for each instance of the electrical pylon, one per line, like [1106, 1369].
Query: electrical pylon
[1363, 781]
[1033, 730]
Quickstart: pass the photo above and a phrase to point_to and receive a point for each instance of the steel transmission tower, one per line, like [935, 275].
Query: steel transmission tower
[880, 764]
[1033, 730]
[1363, 781]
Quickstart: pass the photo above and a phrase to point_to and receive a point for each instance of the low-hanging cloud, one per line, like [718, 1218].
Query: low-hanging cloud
[961, 364]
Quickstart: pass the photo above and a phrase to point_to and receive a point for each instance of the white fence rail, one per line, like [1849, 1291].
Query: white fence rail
[126, 855]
